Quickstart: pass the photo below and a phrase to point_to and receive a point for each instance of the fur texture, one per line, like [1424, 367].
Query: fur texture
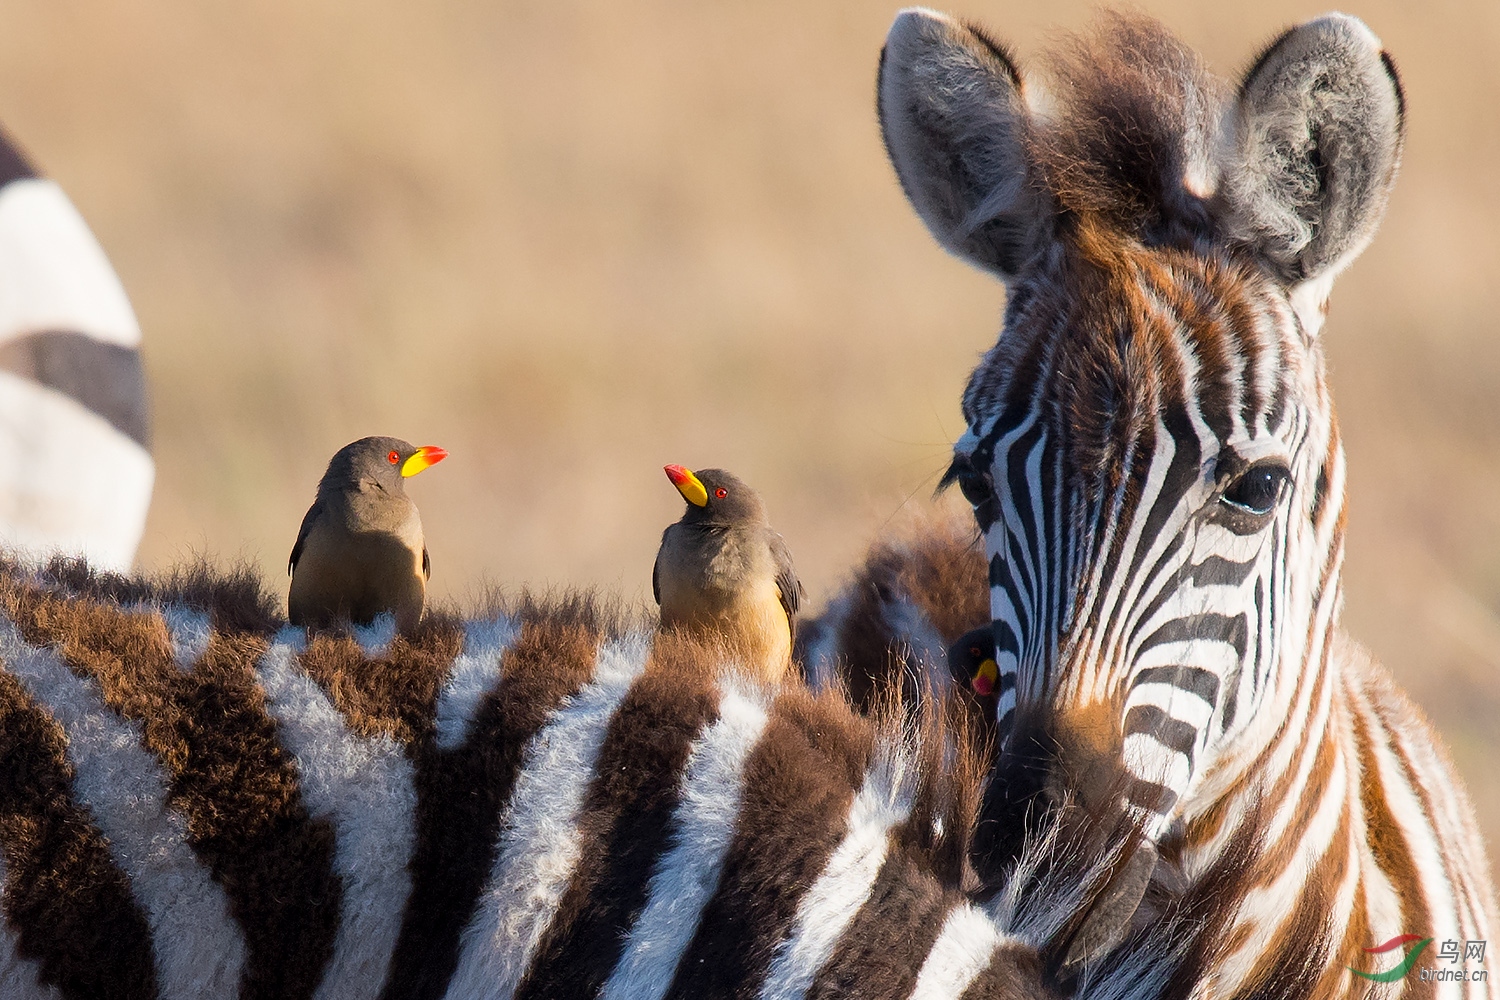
[19, 977]
[539, 802]
[681, 887]
[883, 801]
[119, 781]
[918, 589]
[1317, 137]
[540, 845]
[374, 819]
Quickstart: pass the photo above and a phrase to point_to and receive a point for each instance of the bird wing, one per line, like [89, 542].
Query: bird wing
[656, 577]
[426, 564]
[312, 515]
[788, 587]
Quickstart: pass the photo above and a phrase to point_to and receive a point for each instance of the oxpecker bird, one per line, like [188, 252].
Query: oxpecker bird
[723, 571]
[360, 551]
[971, 661]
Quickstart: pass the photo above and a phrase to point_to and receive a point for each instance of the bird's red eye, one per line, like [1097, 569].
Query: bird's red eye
[721, 493]
[393, 458]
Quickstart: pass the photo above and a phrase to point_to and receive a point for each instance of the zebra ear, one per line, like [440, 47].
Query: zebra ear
[953, 119]
[1317, 134]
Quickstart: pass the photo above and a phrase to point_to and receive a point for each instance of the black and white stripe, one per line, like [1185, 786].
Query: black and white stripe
[73, 420]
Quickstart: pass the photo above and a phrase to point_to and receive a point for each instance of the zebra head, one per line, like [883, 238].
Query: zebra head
[1151, 450]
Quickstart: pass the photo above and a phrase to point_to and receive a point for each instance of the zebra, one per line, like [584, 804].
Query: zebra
[543, 800]
[74, 425]
[1152, 458]
[918, 589]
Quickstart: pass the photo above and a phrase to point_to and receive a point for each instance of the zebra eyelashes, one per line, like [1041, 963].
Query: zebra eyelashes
[976, 486]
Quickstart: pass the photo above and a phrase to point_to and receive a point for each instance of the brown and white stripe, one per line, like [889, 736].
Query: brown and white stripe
[538, 803]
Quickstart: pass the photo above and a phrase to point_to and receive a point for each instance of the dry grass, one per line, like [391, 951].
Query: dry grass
[572, 242]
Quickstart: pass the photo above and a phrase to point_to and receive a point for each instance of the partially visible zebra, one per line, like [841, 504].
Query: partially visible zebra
[195, 801]
[917, 590]
[1154, 463]
[78, 472]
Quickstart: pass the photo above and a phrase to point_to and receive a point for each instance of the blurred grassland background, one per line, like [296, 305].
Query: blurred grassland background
[574, 241]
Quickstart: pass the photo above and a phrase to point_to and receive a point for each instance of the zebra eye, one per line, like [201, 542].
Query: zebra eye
[974, 485]
[1257, 489]
[977, 488]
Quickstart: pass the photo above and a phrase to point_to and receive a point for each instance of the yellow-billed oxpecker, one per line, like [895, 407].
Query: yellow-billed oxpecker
[360, 551]
[723, 572]
[971, 660]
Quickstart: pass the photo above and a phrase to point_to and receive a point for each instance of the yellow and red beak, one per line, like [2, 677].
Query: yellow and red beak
[423, 457]
[986, 677]
[688, 485]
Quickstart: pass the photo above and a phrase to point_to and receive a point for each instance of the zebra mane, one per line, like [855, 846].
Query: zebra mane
[1131, 133]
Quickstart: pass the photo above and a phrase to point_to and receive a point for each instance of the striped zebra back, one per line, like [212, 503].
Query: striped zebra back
[73, 416]
[198, 802]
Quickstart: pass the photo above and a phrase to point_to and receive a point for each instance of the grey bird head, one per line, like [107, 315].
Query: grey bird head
[716, 498]
[385, 462]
